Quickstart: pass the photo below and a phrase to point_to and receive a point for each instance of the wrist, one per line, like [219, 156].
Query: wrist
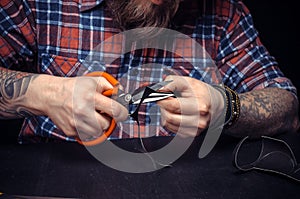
[42, 92]
[233, 109]
[232, 105]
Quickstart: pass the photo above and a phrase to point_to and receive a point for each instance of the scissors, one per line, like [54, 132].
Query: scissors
[143, 95]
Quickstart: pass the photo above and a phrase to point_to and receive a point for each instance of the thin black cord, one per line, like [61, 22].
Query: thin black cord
[135, 117]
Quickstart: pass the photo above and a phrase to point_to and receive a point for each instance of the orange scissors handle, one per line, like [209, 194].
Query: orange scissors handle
[107, 93]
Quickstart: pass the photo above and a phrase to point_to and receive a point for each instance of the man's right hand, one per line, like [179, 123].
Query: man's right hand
[75, 105]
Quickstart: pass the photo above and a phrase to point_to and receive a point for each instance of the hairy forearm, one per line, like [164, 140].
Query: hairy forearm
[13, 90]
[268, 111]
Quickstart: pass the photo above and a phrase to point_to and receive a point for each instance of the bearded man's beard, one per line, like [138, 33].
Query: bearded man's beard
[132, 14]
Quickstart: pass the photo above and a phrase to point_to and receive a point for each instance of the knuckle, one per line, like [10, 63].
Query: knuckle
[120, 113]
[78, 111]
[203, 124]
[204, 109]
[170, 119]
[173, 107]
[106, 125]
[171, 127]
[72, 125]
[94, 133]
[69, 131]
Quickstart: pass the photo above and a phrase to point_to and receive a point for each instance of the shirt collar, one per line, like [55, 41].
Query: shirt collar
[89, 4]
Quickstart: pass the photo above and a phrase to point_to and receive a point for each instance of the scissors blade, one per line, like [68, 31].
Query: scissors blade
[154, 97]
[138, 96]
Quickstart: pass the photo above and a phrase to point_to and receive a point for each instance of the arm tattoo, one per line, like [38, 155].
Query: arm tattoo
[266, 112]
[13, 88]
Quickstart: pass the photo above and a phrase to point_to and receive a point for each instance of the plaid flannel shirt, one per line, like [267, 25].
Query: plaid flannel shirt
[55, 37]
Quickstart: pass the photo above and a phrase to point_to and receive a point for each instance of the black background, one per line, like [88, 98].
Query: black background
[276, 22]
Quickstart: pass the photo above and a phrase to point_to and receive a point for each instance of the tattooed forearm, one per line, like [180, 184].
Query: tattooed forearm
[13, 88]
[266, 112]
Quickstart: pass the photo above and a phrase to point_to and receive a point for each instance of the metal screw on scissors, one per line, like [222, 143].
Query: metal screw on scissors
[145, 95]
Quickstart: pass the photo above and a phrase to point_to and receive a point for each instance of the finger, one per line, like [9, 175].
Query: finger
[93, 126]
[171, 127]
[183, 131]
[86, 130]
[185, 120]
[182, 85]
[103, 84]
[187, 106]
[177, 83]
[110, 107]
[104, 122]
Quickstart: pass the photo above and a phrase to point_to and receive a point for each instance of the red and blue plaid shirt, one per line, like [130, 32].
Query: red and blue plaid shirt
[55, 37]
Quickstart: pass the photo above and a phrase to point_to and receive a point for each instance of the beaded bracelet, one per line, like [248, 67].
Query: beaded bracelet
[232, 105]
[234, 100]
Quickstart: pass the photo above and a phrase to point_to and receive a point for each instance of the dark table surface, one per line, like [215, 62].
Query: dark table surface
[69, 170]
